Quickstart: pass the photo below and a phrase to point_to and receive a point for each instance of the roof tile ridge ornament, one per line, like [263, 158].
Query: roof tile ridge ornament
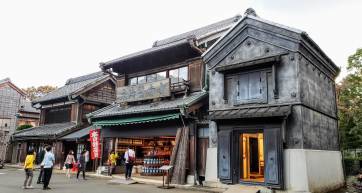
[250, 11]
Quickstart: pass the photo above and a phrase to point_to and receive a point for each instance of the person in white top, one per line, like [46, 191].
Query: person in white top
[130, 158]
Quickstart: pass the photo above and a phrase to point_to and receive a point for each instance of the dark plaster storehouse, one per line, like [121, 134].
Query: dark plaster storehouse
[272, 109]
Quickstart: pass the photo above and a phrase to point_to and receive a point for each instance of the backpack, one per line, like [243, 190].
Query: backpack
[131, 159]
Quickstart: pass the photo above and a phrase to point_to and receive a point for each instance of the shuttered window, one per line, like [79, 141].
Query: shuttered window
[247, 87]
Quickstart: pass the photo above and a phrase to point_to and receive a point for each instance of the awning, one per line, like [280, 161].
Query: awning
[251, 112]
[136, 120]
[77, 134]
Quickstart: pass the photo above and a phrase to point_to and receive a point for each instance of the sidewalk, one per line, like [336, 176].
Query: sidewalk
[138, 180]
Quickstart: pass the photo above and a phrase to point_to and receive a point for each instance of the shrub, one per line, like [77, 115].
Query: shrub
[21, 127]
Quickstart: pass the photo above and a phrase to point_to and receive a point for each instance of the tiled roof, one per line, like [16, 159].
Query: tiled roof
[73, 85]
[78, 134]
[251, 112]
[201, 32]
[116, 110]
[146, 51]
[26, 107]
[49, 131]
[5, 80]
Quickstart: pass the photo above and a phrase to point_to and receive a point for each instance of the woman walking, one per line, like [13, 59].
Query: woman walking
[29, 167]
[69, 161]
[81, 164]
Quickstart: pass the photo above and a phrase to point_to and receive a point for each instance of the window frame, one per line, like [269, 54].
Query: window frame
[237, 76]
[166, 73]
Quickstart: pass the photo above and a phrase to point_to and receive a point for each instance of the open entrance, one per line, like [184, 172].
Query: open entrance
[252, 157]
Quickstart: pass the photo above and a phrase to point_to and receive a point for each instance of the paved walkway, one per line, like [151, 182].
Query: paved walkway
[11, 180]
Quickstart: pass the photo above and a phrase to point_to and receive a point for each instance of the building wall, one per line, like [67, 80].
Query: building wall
[104, 92]
[311, 170]
[9, 106]
[286, 76]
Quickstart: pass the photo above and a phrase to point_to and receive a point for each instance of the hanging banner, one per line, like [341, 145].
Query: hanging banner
[94, 137]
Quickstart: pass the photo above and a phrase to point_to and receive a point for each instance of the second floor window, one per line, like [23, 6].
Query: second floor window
[58, 114]
[247, 87]
[179, 74]
[176, 75]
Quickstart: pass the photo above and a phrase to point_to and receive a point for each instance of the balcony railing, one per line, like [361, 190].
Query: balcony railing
[179, 87]
[151, 90]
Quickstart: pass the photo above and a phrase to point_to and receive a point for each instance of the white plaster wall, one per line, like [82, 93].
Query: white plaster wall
[312, 170]
[211, 165]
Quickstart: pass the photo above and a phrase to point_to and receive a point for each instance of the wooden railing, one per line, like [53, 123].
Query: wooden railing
[183, 86]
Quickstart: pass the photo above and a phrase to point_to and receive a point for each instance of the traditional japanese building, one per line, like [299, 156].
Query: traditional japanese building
[15, 110]
[161, 106]
[63, 123]
[272, 109]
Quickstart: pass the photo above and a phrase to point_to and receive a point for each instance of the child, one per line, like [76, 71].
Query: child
[29, 167]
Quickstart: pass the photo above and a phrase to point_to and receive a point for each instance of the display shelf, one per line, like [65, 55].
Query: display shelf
[151, 174]
[157, 156]
[153, 165]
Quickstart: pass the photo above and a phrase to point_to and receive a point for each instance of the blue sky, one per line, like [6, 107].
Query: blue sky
[46, 42]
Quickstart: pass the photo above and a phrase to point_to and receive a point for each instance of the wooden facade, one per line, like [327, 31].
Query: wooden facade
[63, 114]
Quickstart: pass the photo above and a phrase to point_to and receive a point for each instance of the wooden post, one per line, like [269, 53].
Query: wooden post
[174, 153]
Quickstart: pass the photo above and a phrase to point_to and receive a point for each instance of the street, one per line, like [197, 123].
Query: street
[11, 180]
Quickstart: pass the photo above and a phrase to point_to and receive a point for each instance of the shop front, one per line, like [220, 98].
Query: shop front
[160, 133]
[152, 142]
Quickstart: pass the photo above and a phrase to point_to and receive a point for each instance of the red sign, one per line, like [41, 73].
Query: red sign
[94, 137]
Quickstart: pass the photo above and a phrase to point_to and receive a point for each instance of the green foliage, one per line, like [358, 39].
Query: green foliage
[21, 127]
[350, 104]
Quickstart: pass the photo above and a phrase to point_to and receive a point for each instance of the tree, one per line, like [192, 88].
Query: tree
[350, 103]
[36, 92]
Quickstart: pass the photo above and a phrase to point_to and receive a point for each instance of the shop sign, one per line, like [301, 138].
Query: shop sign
[144, 91]
[94, 136]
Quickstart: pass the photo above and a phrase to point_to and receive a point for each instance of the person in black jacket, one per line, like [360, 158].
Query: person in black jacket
[39, 159]
[82, 164]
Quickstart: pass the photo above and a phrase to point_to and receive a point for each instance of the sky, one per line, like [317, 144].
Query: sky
[45, 42]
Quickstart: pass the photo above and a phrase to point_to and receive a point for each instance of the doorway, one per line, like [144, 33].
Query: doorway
[252, 157]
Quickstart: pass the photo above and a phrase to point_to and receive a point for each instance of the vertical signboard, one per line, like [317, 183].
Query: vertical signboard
[94, 136]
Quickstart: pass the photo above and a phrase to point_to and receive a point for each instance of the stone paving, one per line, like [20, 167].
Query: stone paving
[11, 180]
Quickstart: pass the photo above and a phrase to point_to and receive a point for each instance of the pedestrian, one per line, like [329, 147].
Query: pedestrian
[112, 161]
[69, 163]
[40, 158]
[86, 155]
[48, 163]
[29, 167]
[81, 164]
[129, 157]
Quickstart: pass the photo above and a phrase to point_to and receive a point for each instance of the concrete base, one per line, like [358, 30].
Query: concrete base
[314, 171]
[211, 165]
[306, 171]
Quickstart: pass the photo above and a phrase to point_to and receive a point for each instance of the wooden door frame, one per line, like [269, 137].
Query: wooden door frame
[237, 130]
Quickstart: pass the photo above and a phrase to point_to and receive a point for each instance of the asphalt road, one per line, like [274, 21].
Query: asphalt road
[11, 181]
